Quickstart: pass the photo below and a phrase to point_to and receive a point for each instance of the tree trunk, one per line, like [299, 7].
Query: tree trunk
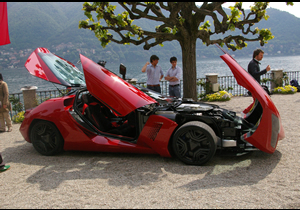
[188, 46]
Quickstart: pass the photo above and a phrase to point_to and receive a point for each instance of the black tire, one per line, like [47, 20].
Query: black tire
[194, 143]
[46, 138]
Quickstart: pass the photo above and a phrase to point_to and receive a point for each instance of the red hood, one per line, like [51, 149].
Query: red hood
[110, 89]
[270, 129]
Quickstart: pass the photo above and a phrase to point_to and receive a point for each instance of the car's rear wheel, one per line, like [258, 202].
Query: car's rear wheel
[46, 138]
[194, 143]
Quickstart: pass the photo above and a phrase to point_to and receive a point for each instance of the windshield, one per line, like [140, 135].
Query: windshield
[63, 70]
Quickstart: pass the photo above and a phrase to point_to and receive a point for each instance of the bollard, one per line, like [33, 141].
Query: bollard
[29, 96]
[212, 78]
[277, 77]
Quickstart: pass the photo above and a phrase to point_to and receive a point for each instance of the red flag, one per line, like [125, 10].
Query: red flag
[4, 36]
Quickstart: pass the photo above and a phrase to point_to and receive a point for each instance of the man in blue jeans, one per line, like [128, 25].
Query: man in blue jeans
[173, 76]
[154, 74]
[3, 167]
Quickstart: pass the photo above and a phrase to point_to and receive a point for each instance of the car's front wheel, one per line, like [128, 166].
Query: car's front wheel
[46, 138]
[194, 143]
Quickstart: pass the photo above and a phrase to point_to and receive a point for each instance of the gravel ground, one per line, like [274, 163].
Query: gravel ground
[107, 180]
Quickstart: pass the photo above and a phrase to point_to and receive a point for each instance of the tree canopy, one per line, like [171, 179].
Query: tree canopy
[182, 21]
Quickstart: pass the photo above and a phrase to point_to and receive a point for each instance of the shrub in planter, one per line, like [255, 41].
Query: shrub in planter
[218, 96]
[19, 117]
[288, 89]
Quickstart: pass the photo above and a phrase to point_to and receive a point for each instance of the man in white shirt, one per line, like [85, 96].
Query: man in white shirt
[154, 74]
[174, 76]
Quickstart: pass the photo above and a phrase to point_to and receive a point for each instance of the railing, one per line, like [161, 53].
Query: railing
[47, 94]
[237, 90]
[41, 97]
[224, 81]
[18, 96]
[293, 75]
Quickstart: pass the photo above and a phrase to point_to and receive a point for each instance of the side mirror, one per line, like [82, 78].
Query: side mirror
[123, 70]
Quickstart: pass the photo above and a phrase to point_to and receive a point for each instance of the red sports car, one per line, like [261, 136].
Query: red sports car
[107, 114]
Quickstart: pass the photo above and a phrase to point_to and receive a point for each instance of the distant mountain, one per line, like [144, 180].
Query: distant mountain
[54, 25]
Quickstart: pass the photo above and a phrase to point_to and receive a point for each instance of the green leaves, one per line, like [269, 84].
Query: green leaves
[181, 20]
[83, 24]
[85, 4]
[266, 34]
[259, 6]
[89, 15]
[205, 26]
[234, 17]
[167, 30]
[181, 24]
[231, 27]
[235, 14]
[259, 9]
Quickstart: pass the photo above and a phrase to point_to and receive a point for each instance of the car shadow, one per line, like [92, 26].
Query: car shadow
[224, 171]
[133, 170]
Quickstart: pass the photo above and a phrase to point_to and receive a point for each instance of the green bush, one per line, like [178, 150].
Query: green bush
[19, 117]
[17, 106]
[218, 96]
[288, 89]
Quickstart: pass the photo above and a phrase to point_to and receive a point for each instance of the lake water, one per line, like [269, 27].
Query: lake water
[20, 77]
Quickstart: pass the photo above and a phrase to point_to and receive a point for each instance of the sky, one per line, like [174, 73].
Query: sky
[294, 10]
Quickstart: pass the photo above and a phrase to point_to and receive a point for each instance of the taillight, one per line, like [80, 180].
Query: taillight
[275, 130]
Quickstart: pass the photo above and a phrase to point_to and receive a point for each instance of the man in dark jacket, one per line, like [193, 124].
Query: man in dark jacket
[254, 70]
[253, 67]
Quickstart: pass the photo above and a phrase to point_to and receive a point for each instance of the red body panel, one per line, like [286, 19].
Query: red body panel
[261, 138]
[50, 67]
[116, 93]
[77, 137]
[37, 67]
[157, 133]
[53, 110]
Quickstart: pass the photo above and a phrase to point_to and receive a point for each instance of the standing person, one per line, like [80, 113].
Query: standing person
[5, 105]
[254, 70]
[173, 76]
[3, 167]
[154, 74]
[253, 66]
